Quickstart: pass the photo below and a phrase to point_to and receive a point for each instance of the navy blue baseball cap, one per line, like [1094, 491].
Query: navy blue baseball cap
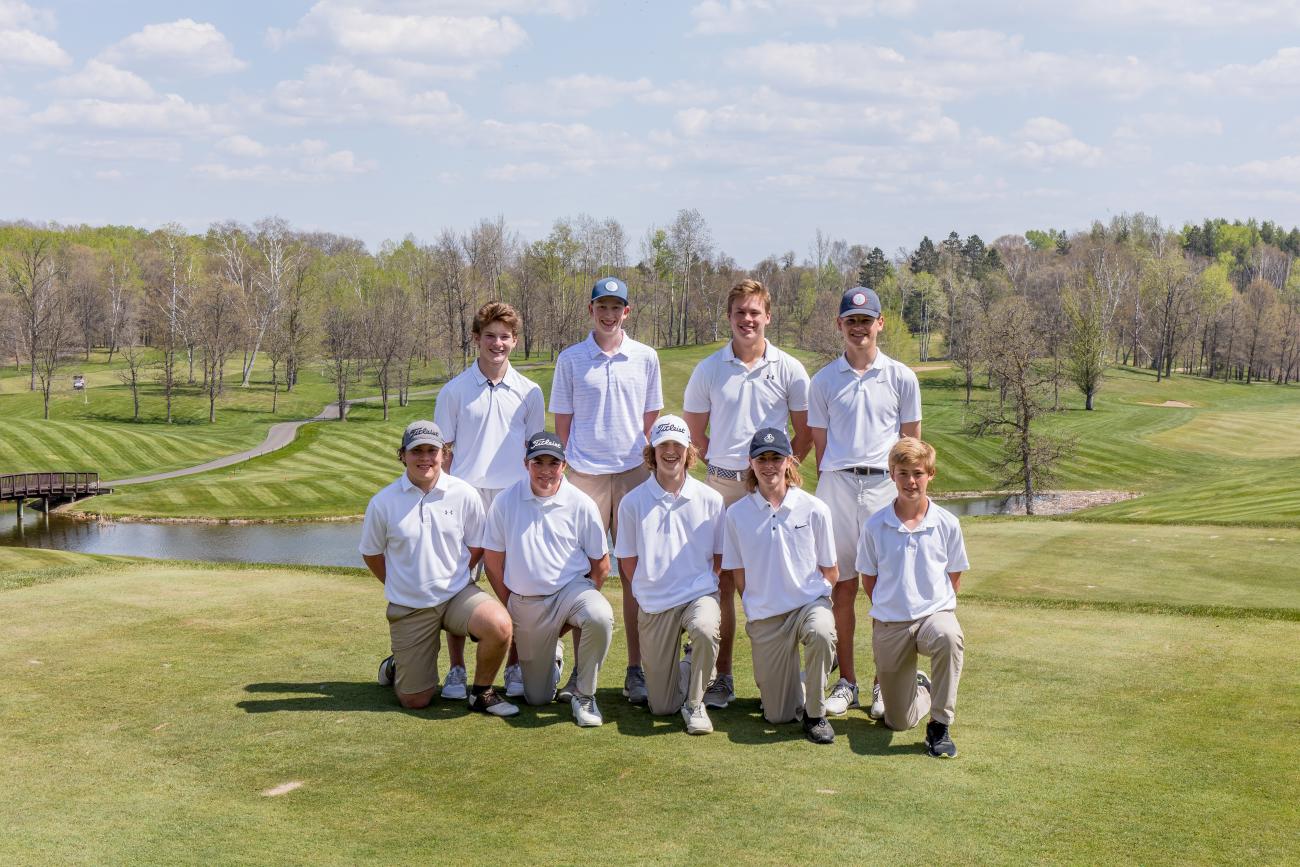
[770, 439]
[544, 443]
[609, 287]
[860, 301]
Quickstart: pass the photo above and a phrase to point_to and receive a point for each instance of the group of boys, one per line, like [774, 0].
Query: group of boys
[533, 509]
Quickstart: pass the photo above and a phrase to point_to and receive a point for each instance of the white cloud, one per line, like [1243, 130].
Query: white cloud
[100, 79]
[109, 175]
[342, 93]
[521, 172]
[1043, 142]
[1186, 14]
[150, 149]
[1169, 125]
[1268, 78]
[185, 44]
[307, 160]
[242, 146]
[740, 16]
[20, 47]
[356, 29]
[577, 95]
[170, 114]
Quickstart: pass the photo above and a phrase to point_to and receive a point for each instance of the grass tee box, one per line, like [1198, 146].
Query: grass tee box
[166, 713]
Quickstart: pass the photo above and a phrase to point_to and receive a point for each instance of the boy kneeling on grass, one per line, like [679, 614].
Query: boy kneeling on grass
[911, 556]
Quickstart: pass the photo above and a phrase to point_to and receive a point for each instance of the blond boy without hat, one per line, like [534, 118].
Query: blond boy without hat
[544, 549]
[746, 385]
[670, 544]
[859, 405]
[780, 543]
[911, 557]
[486, 411]
[421, 540]
[605, 396]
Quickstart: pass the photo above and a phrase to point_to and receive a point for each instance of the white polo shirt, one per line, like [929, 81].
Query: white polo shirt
[425, 538]
[739, 401]
[608, 396]
[548, 541]
[489, 423]
[911, 566]
[674, 538]
[862, 415]
[780, 551]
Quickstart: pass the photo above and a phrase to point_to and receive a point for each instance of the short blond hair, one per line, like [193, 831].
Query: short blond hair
[749, 289]
[912, 452]
[692, 457]
[792, 477]
[495, 311]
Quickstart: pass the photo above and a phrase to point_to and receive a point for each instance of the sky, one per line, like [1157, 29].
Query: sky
[876, 121]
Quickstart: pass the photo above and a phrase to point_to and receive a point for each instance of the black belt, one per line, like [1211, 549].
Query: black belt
[865, 471]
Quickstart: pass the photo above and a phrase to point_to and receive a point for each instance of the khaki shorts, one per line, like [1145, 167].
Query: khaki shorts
[608, 491]
[416, 638]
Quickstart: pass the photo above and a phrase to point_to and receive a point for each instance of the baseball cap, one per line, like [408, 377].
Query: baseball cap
[770, 439]
[860, 301]
[544, 443]
[420, 433]
[609, 287]
[670, 428]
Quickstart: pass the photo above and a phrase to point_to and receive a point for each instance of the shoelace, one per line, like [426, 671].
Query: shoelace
[456, 676]
[843, 690]
[586, 704]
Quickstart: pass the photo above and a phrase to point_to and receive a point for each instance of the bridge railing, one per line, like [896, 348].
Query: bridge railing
[31, 485]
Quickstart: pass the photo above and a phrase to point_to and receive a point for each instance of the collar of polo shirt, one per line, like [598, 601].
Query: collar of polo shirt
[930, 520]
[439, 484]
[729, 351]
[660, 494]
[544, 501]
[594, 348]
[762, 503]
[843, 366]
[481, 378]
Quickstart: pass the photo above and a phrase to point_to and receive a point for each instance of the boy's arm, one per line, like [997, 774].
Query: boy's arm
[955, 578]
[738, 576]
[563, 424]
[494, 563]
[599, 569]
[831, 574]
[869, 585]
[910, 429]
[697, 423]
[375, 563]
[818, 435]
[627, 567]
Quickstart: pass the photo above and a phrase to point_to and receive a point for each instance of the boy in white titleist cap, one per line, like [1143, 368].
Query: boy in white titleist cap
[670, 543]
[779, 541]
[746, 385]
[544, 548]
[605, 395]
[486, 411]
[911, 557]
[858, 407]
[421, 540]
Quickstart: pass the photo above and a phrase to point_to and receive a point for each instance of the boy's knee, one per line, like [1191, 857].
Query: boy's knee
[416, 701]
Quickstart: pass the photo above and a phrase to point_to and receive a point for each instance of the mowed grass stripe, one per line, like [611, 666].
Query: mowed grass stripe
[1258, 435]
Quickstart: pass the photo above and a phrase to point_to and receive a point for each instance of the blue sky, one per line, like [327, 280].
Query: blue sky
[876, 121]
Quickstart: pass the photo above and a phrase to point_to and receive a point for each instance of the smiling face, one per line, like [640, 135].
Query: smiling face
[860, 331]
[545, 473]
[749, 318]
[670, 458]
[607, 315]
[769, 468]
[495, 343]
[423, 463]
[912, 481]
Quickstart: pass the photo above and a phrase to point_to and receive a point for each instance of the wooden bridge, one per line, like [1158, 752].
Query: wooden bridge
[52, 489]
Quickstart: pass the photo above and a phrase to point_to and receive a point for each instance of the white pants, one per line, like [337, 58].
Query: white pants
[852, 499]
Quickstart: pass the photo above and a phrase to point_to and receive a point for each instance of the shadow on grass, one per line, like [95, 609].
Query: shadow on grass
[333, 696]
[869, 738]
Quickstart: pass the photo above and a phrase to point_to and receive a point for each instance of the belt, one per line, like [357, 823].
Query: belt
[865, 471]
[724, 473]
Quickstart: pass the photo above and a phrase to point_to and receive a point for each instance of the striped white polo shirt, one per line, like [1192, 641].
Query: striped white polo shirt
[608, 396]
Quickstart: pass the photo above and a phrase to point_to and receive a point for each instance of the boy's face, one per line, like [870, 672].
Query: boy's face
[670, 457]
[860, 331]
[423, 463]
[544, 475]
[495, 343]
[769, 467]
[607, 315]
[748, 319]
[912, 481]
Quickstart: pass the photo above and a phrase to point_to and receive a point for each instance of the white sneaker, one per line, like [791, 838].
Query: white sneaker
[585, 712]
[514, 681]
[455, 686]
[697, 719]
[490, 703]
[844, 695]
[877, 709]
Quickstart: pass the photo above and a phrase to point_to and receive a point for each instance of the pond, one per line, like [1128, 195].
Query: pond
[320, 543]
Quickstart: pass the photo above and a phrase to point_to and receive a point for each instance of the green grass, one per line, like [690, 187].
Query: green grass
[156, 702]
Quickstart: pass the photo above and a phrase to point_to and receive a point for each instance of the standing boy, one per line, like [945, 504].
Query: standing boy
[421, 539]
[488, 409]
[544, 548]
[746, 385]
[858, 407]
[605, 395]
[670, 544]
[911, 557]
[780, 543]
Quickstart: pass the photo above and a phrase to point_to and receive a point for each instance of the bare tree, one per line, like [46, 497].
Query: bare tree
[344, 347]
[218, 330]
[279, 255]
[170, 293]
[692, 243]
[56, 329]
[386, 332]
[135, 357]
[32, 272]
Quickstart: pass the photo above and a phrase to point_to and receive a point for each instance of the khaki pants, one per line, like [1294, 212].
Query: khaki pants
[774, 642]
[416, 638]
[538, 621]
[852, 499]
[661, 640]
[896, 645]
[729, 489]
[608, 491]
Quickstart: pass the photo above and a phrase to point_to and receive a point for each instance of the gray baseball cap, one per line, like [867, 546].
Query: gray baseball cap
[420, 433]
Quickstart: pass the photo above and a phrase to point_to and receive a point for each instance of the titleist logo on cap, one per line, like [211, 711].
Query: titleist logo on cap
[544, 443]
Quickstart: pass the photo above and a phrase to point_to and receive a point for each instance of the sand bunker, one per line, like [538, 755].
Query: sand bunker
[1174, 403]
